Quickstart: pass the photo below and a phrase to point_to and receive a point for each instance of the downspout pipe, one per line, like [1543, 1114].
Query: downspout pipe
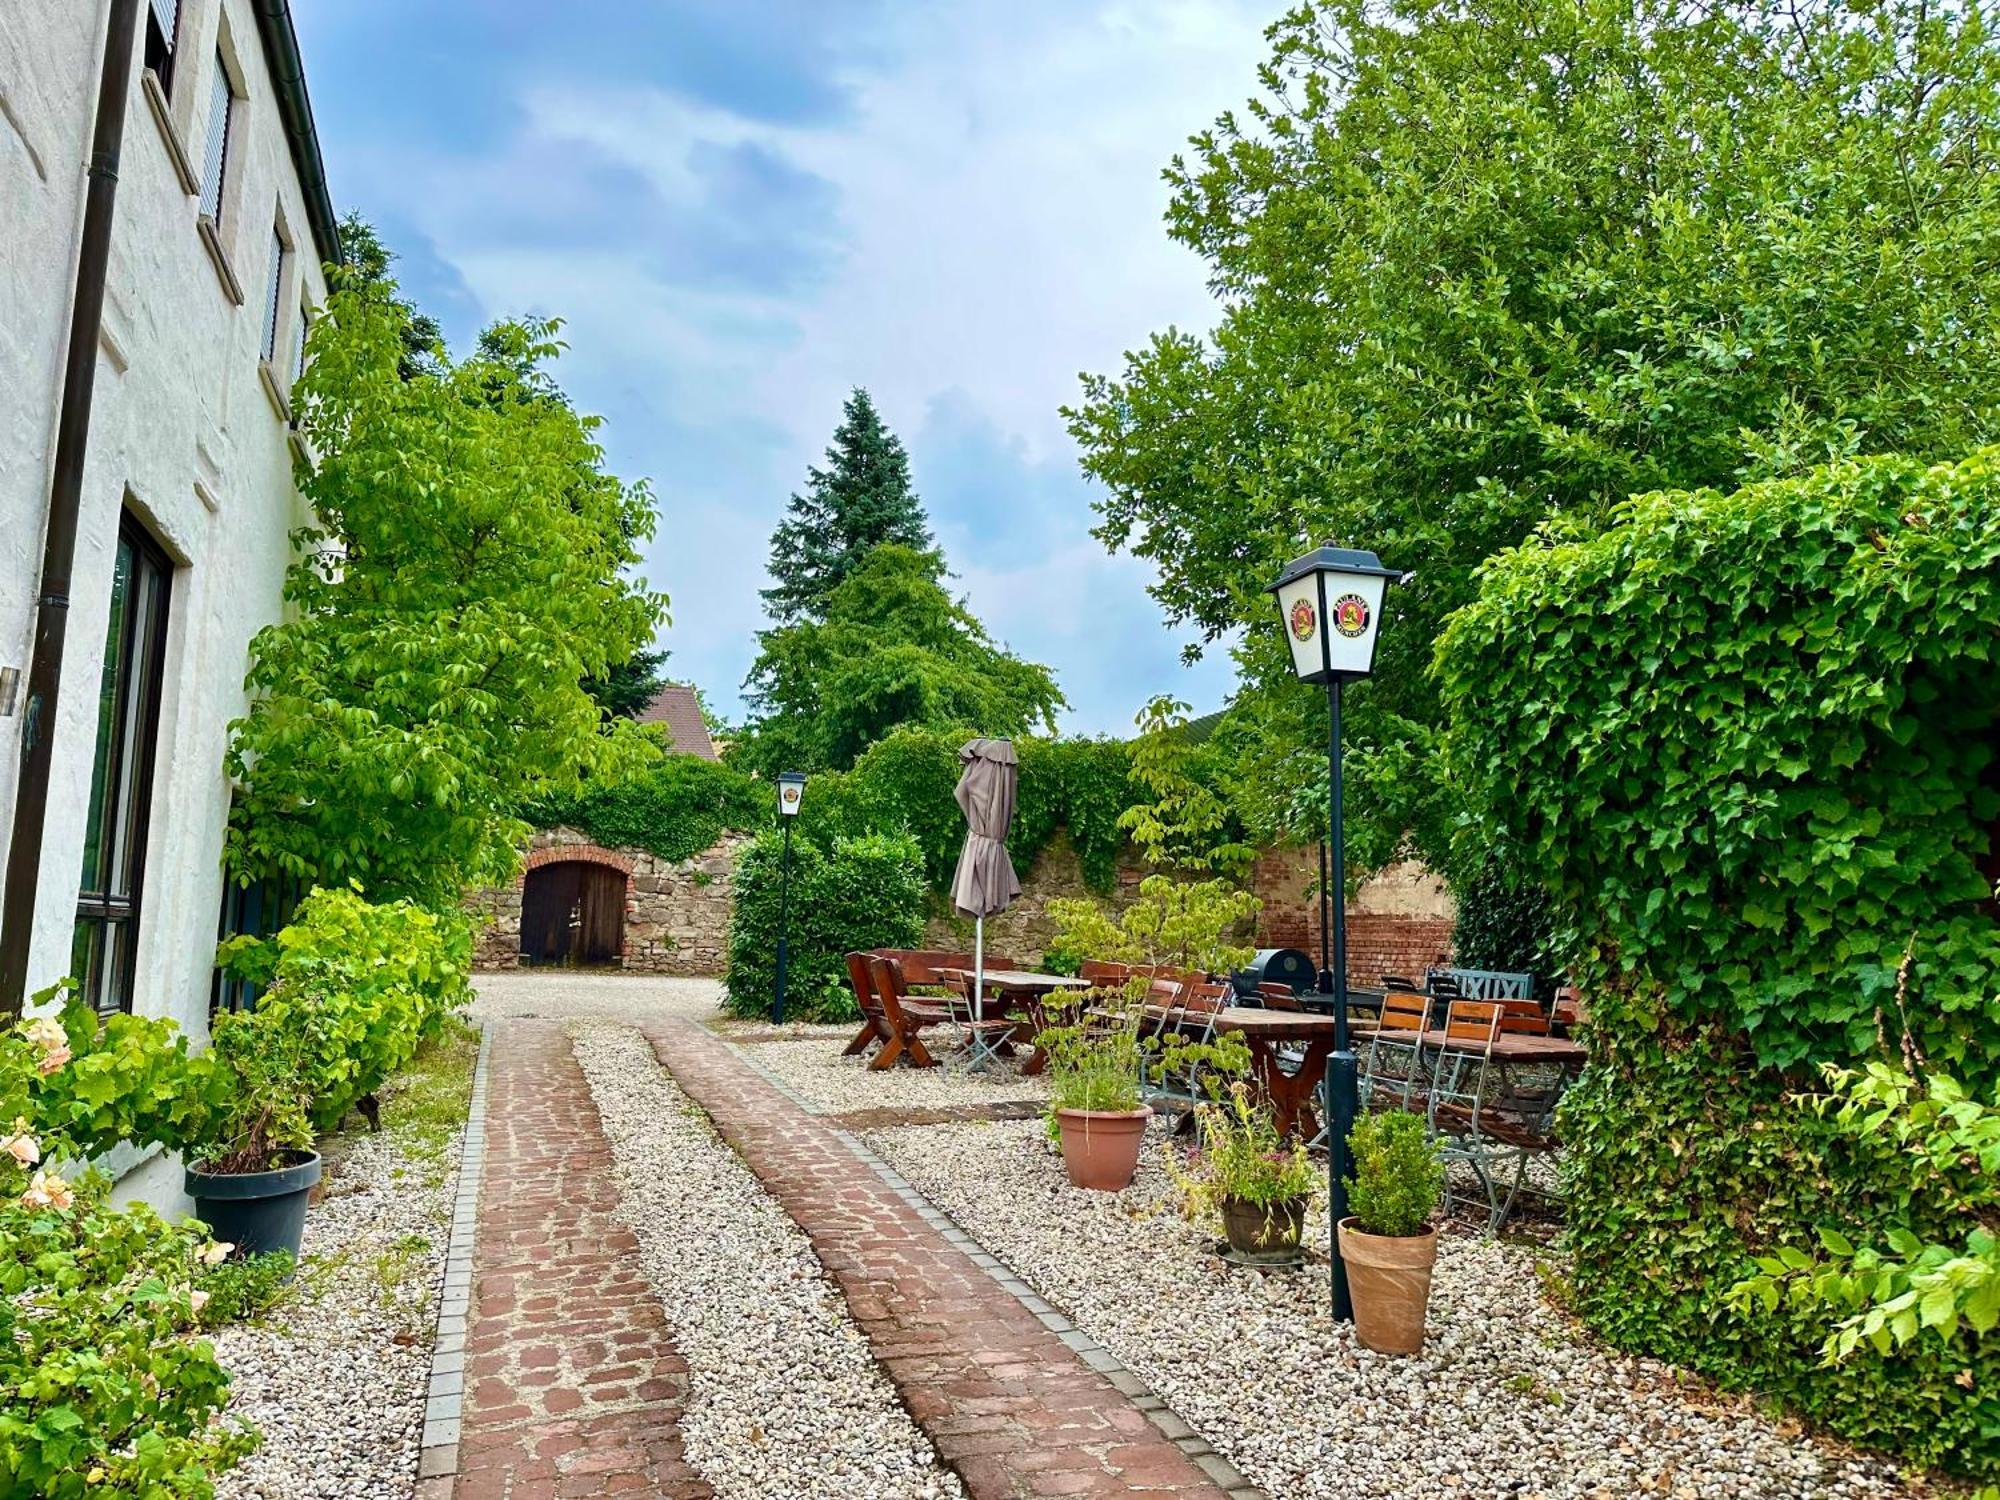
[38, 720]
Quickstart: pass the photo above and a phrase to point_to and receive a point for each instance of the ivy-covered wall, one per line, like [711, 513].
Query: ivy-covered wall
[1747, 744]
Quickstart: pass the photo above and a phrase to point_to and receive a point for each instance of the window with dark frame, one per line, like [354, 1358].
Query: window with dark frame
[121, 772]
[271, 302]
[299, 354]
[162, 22]
[258, 909]
[215, 156]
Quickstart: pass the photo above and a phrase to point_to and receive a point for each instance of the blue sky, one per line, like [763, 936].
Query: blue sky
[743, 208]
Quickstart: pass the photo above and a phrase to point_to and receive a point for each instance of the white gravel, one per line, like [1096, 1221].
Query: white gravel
[557, 994]
[336, 1374]
[1505, 1400]
[784, 1397]
[832, 1084]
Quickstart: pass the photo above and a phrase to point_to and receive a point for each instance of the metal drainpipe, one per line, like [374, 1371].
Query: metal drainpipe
[31, 793]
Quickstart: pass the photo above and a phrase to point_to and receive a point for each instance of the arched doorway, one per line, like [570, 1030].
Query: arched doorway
[573, 912]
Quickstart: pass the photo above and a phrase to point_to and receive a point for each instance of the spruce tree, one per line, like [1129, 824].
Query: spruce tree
[861, 499]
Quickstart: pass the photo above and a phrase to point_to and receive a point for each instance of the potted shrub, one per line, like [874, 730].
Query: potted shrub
[1247, 1175]
[254, 1166]
[1095, 1111]
[1387, 1240]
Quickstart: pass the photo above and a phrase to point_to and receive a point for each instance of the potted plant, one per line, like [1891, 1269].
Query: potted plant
[1387, 1240]
[253, 1165]
[1247, 1175]
[1095, 1111]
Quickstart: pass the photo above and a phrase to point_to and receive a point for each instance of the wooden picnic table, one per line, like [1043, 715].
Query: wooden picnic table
[1290, 1094]
[1028, 990]
[1508, 1046]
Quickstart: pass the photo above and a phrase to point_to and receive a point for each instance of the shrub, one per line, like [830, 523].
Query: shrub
[1503, 923]
[1398, 1175]
[675, 807]
[1177, 924]
[1748, 744]
[865, 892]
[1243, 1157]
[107, 1389]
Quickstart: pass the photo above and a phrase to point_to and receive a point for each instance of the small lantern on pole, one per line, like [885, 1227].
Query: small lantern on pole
[1330, 602]
[791, 792]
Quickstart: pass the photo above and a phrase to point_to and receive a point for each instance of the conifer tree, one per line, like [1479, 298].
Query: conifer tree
[861, 499]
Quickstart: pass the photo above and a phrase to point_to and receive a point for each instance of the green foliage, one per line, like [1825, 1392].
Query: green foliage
[1093, 1068]
[629, 686]
[244, 1287]
[1748, 752]
[1747, 748]
[459, 580]
[893, 648]
[125, 1079]
[859, 501]
[1503, 924]
[352, 990]
[1176, 924]
[1398, 1176]
[673, 805]
[1475, 269]
[1890, 1297]
[863, 892]
[1184, 825]
[1242, 1157]
[107, 1389]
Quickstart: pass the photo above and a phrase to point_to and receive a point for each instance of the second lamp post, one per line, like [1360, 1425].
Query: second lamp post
[791, 792]
[1331, 605]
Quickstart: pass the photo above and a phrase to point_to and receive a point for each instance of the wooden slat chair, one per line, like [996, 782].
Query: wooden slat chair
[1393, 1072]
[1278, 996]
[1187, 1007]
[1466, 1118]
[874, 1027]
[905, 1016]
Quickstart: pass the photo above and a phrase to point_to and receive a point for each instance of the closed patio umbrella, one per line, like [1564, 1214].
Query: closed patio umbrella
[984, 884]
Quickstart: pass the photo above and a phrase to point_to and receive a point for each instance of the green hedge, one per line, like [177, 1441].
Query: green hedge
[865, 892]
[675, 807]
[1747, 741]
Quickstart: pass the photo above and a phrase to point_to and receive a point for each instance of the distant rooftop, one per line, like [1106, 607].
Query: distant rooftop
[676, 706]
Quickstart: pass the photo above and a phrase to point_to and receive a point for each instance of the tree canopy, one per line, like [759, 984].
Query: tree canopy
[894, 648]
[860, 500]
[1482, 262]
[461, 579]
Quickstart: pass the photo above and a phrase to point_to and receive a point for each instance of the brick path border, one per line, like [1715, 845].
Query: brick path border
[437, 1452]
[990, 1462]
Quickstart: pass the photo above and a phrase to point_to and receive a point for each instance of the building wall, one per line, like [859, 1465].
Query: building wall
[676, 911]
[183, 431]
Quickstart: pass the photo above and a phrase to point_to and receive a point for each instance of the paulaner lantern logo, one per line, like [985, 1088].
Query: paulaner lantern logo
[1303, 622]
[1350, 616]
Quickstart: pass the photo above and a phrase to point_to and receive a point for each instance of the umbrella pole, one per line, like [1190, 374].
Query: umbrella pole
[979, 968]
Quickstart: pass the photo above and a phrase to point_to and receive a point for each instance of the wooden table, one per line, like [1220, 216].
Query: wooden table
[1357, 999]
[1007, 988]
[1290, 1095]
[1508, 1046]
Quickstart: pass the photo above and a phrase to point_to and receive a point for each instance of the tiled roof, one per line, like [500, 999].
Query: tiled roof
[676, 706]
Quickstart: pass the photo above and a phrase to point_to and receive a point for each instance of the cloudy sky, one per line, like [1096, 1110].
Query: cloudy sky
[744, 208]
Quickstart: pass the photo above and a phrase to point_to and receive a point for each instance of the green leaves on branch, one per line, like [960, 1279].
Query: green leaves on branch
[459, 579]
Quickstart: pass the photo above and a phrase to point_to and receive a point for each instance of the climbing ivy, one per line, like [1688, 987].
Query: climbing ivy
[1746, 743]
[675, 806]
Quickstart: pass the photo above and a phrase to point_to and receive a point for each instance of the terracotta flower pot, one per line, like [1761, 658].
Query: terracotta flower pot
[1389, 1277]
[1260, 1229]
[1101, 1147]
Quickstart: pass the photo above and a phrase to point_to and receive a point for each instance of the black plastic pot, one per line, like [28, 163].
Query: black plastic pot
[256, 1211]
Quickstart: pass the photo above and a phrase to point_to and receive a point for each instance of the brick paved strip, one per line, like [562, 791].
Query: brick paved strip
[1006, 1402]
[573, 1385]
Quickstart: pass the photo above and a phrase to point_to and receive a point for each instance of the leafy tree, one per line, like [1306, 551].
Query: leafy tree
[458, 583]
[1484, 261]
[365, 268]
[859, 501]
[895, 648]
[624, 691]
[1184, 824]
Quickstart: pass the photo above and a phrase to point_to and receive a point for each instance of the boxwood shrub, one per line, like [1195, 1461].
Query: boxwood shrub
[865, 892]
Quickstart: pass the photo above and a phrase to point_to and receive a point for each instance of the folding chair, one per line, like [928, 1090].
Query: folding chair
[982, 1035]
[904, 1017]
[1470, 1126]
[1183, 1008]
[1393, 1067]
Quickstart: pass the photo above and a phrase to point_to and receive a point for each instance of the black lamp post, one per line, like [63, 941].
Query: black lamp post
[791, 791]
[1331, 604]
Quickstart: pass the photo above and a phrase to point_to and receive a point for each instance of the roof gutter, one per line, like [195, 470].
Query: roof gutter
[288, 74]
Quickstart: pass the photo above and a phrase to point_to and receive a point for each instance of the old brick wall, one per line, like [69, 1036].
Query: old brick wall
[1398, 922]
[676, 911]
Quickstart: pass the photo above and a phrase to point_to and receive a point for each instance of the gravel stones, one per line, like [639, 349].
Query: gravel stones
[827, 1083]
[337, 1373]
[784, 1397]
[1505, 1400]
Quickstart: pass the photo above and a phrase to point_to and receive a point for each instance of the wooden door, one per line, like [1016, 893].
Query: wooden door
[573, 913]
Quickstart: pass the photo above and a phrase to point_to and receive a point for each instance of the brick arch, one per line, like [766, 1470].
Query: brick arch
[586, 854]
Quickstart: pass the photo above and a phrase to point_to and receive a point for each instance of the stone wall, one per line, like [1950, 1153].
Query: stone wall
[676, 911]
[677, 914]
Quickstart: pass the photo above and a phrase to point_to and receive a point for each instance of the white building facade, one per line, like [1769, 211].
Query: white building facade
[221, 225]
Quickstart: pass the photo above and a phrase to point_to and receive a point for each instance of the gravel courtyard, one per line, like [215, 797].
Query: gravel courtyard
[809, 1369]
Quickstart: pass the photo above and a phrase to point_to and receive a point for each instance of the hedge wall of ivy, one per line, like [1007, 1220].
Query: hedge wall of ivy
[1748, 742]
[675, 807]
